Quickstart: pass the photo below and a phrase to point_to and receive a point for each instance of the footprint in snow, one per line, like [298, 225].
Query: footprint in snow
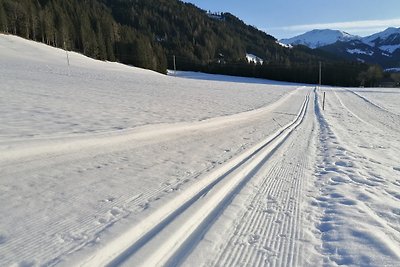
[269, 211]
[343, 164]
[253, 238]
[27, 263]
[332, 169]
[3, 239]
[339, 179]
[336, 195]
[103, 221]
[348, 202]
[396, 211]
[374, 161]
[109, 199]
[115, 211]
[376, 180]
[363, 197]
[325, 227]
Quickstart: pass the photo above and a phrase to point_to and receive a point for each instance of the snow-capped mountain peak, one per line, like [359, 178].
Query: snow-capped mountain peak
[318, 38]
[387, 40]
[388, 35]
[380, 48]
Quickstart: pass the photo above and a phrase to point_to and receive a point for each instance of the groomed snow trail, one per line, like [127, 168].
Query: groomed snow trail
[174, 229]
[74, 221]
[86, 156]
[271, 230]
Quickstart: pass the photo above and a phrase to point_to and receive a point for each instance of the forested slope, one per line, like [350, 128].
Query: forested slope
[148, 33]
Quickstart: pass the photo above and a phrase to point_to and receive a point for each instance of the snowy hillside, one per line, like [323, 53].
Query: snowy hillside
[254, 59]
[388, 40]
[103, 164]
[318, 38]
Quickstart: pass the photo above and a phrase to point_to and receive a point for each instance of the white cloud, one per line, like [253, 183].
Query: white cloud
[350, 26]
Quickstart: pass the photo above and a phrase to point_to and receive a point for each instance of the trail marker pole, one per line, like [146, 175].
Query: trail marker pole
[66, 51]
[323, 103]
[67, 58]
[174, 58]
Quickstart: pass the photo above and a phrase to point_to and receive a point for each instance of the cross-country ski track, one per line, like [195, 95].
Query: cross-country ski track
[204, 199]
[103, 164]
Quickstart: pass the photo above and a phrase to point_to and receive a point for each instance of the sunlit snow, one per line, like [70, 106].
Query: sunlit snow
[103, 164]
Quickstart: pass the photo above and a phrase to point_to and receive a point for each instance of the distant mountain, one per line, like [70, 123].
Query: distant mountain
[388, 40]
[317, 38]
[381, 48]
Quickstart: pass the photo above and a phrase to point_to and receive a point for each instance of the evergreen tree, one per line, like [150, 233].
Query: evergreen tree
[3, 19]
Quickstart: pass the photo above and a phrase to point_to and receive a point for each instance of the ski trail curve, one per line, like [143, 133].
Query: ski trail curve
[211, 194]
[53, 147]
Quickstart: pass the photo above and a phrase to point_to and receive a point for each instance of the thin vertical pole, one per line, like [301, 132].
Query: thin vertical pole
[174, 64]
[67, 58]
[66, 51]
[323, 103]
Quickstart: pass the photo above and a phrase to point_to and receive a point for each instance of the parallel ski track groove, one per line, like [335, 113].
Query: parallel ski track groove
[139, 236]
[236, 253]
[373, 110]
[372, 103]
[255, 222]
[85, 223]
[85, 227]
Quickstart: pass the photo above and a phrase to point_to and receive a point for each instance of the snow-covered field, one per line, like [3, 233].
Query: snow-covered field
[103, 164]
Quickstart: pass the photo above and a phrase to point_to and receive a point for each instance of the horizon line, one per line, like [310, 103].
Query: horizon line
[360, 26]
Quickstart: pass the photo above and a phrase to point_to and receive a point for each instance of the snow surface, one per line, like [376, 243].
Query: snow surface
[359, 51]
[106, 164]
[390, 48]
[383, 98]
[254, 59]
[284, 45]
[225, 78]
[393, 70]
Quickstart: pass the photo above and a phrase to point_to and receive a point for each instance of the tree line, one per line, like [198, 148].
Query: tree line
[85, 26]
[147, 33]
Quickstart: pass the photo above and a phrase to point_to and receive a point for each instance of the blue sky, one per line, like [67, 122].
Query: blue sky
[287, 18]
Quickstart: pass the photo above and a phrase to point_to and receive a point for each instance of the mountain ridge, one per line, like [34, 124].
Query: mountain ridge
[382, 48]
[319, 37]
